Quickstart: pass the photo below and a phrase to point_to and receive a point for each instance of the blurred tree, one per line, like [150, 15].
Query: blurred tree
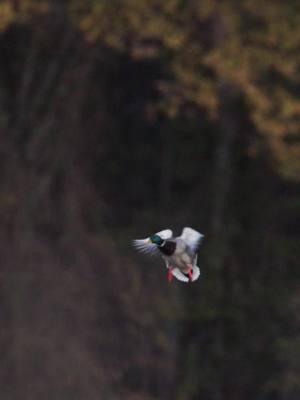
[246, 44]
[122, 116]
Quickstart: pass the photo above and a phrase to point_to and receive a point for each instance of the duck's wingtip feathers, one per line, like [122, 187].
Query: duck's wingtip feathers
[144, 246]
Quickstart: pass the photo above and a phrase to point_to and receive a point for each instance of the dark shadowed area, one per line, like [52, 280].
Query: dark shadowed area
[122, 118]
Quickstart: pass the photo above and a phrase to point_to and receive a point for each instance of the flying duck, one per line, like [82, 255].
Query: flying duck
[179, 253]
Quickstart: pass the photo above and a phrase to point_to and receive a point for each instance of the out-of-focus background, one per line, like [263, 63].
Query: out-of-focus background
[122, 118]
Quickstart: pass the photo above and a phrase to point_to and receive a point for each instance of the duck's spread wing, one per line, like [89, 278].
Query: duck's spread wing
[192, 238]
[145, 246]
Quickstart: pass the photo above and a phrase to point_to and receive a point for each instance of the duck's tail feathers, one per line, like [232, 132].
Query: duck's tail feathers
[183, 278]
[179, 275]
[196, 273]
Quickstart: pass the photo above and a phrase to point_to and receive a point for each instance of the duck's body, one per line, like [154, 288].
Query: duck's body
[179, 253]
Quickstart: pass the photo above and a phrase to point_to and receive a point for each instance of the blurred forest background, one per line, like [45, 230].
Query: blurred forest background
[121, 118]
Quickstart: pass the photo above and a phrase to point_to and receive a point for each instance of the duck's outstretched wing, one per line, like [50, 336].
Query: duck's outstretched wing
[145, 245]
[192, 238]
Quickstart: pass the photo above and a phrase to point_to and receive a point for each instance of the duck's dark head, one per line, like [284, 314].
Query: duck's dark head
[156, 239]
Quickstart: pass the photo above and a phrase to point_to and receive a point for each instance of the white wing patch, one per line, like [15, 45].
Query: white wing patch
[165, 234]
[145, 246]
[192, 237]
